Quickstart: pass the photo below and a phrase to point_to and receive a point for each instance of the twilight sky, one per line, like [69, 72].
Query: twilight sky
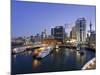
[30, 18]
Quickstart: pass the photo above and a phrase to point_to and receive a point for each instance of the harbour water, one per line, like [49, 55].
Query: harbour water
[62, 59]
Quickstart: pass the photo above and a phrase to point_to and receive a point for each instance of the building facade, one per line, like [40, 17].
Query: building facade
[58, 33]
[81, 30]
[73, 33]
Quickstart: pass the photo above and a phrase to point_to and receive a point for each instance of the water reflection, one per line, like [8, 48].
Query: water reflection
[81, 59]
[36, 63]
[26, 53]
[67, 52]
[57, 50]
[59, 59]
[14, 56]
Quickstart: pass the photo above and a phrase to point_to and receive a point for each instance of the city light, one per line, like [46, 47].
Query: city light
[48, 37]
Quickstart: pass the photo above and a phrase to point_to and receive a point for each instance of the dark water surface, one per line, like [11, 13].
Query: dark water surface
[60, 60]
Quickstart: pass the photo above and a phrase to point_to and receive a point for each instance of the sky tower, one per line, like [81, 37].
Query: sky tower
[90, 27]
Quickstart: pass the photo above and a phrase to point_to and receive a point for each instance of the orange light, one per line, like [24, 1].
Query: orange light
[42, 48]
[36, 63]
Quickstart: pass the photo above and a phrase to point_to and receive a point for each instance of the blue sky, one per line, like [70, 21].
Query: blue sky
[30, 18]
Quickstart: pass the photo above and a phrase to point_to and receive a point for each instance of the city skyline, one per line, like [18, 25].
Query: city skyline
[30, 18]
[52, 37]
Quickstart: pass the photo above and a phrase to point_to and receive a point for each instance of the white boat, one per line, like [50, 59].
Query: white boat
[19, 49]
[42, 53]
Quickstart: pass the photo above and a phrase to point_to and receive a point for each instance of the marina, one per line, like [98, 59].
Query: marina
[61, 59]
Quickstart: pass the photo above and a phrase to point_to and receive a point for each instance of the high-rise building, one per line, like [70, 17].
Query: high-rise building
[45, 33]
[81, 30]
[37, 38]
[42, 35]
[32, 38]
[52, 31]
[58, 33]
[93, 37]
[73, 33]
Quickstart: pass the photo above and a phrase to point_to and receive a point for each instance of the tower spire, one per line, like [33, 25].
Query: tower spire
[90, 27]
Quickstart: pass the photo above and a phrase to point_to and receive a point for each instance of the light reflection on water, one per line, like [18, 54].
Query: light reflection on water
[36, 63]
[57, 50]
[60, 59]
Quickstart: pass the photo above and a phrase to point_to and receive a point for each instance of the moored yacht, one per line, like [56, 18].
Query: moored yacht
[42, 52]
